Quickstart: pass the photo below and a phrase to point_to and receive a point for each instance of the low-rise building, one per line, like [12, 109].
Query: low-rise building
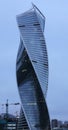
[8, 122]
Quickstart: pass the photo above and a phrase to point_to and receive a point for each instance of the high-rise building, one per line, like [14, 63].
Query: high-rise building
[32, 71]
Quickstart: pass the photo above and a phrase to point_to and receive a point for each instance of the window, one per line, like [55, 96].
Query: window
[35, 24]
[21, 25]
[34, 61]
[24, 70]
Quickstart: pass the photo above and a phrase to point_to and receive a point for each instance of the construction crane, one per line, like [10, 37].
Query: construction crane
[7, 107]
[7, 114]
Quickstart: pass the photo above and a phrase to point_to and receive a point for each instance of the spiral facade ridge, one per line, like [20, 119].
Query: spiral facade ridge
[32, 71]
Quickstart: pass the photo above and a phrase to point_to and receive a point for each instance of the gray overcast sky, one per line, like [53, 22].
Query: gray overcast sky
[56, 34]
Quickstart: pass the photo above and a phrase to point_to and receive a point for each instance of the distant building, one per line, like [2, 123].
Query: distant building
[54, 123]
[60, 124]
[8, 122]
[3, 124]
[11, 125]
[65, 124]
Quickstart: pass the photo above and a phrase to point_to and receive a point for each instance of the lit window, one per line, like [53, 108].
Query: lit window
[24, 70]
[35, 24]
[31, 104]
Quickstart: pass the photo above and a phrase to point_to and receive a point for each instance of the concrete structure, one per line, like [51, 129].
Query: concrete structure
[32, 71]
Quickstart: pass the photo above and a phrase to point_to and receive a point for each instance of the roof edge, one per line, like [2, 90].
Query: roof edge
[35, 7]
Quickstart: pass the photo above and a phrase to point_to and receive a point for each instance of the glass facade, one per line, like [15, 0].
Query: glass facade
[32, 71]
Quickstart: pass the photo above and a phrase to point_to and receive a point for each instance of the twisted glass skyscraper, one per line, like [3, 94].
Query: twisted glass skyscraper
[32, 71]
